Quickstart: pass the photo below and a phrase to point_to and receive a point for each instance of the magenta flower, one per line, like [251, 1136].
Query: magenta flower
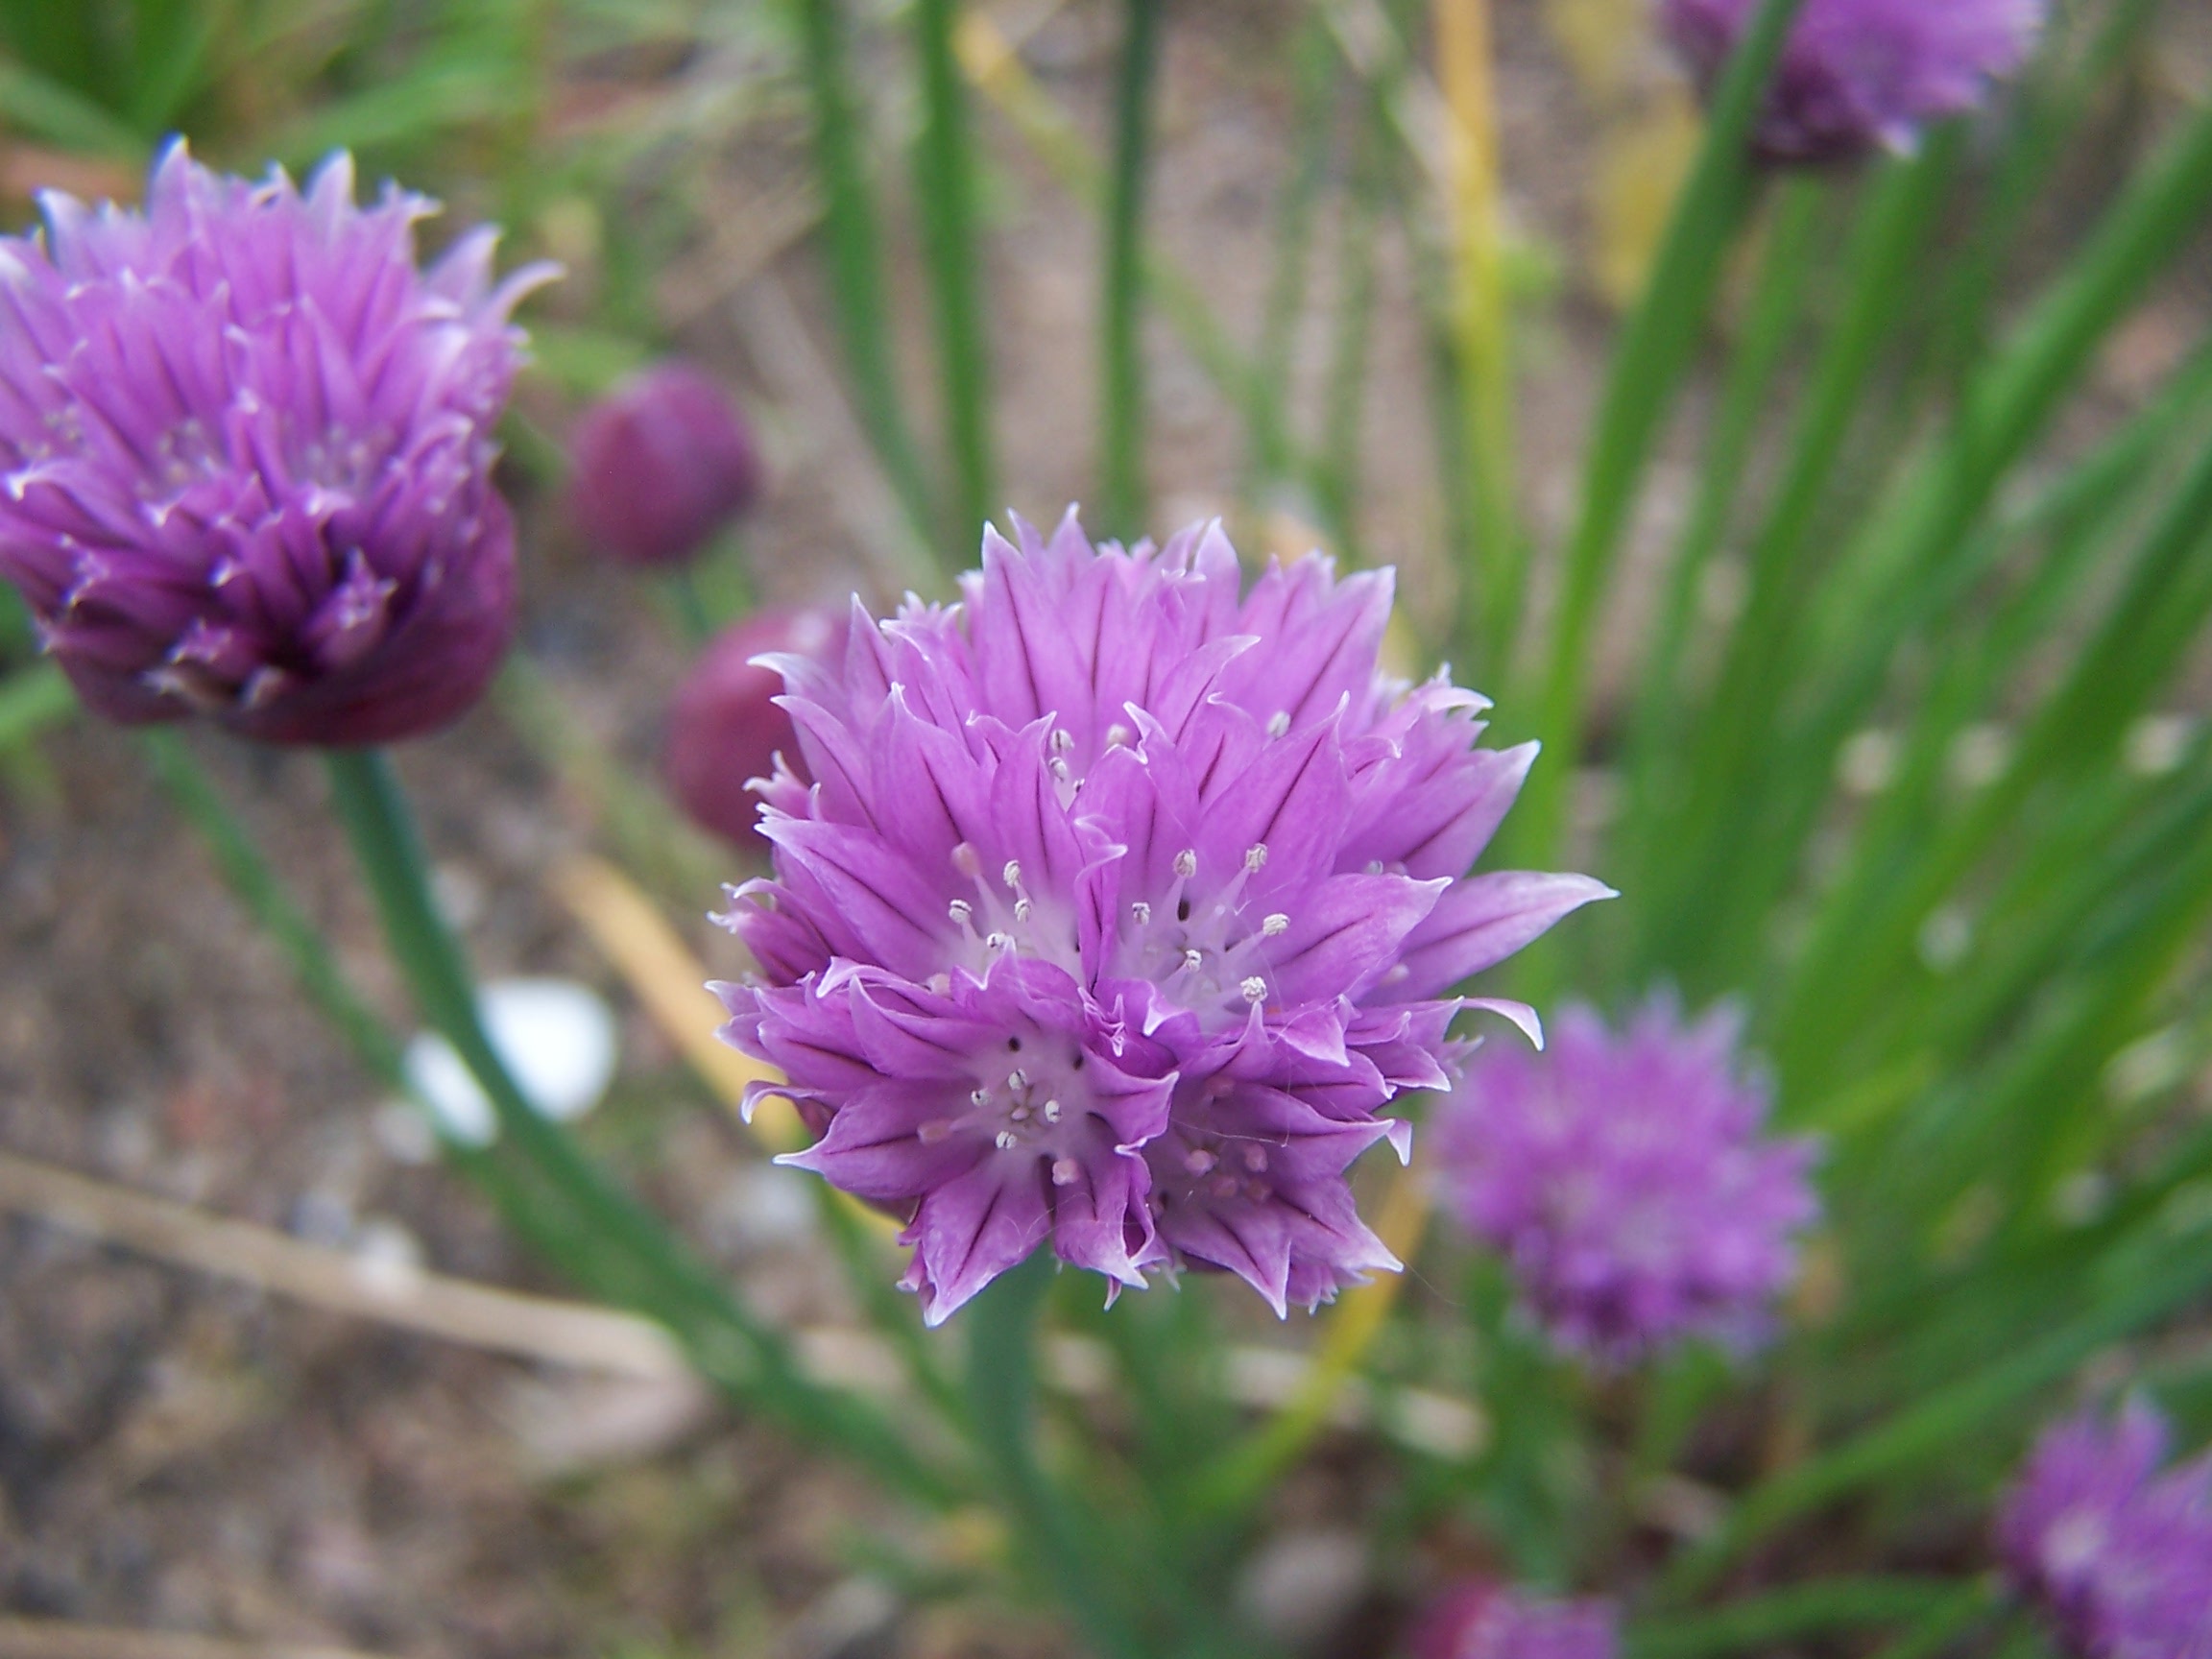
[1121, 906]
[660, 464]
[248, 450]
[727, 725]
[1861, 75]
[2120, 1556]
[1478, 1620]
[1626, 1180]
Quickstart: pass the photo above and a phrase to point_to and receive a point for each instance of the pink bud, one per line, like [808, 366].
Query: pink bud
[660, 465]
[724, 727]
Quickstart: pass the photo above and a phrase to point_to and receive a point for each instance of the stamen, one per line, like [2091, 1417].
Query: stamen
[1141, 912]
[1198, 1160]
[1052, 1110]
[1255, 1158]
[1059, 769]
[1023, 910]
[1065, 1172]
[1017, 1079]
[961, 911]
[1061, 740]
[1007, 1140]
[1117, 736]
[1374, 866]
[1279, 723]
[978, 1097]
[1275, 925]
[1187, 863]
[967, 860]
[1256, 855]
[934, 1130]
[1193, 960]
[1254, 989]
[998, 942]
[1011, 873]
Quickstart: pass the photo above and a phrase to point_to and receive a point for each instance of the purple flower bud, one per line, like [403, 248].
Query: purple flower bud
[2118, 1554]
[727, 725]
[1859, 75]
[248, 450]
[1120, 905]
[660, 465]
[1478, 1620]
[1626, 1180]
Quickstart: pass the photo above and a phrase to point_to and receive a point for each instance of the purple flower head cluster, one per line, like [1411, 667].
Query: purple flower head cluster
[247, 449]
[660, 464]
[2119, 1555]
[1478, 1620]
[1121, 903]
[1626, 1180]
[1861, 75]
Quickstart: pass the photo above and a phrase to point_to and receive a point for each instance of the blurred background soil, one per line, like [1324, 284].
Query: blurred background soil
[179, 1453]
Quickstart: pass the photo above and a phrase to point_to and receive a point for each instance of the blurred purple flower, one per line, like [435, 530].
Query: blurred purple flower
[2119, 1555]
[1478, 1620]
[1120, 905]
[1626, 1180]
[1859, 75]
[727, 725]
[660, 464]
[248, 450]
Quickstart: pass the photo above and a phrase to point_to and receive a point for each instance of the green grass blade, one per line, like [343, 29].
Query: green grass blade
[951, 241]
[1121, 369]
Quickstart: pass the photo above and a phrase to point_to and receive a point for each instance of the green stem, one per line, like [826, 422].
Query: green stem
[255, 885]
[30, 700]
[1002, 1402]
[1121, 379]
[1934, 1424]
[857, 287]
[946, 198]
[635, 1259]
[1647, 366]
[1784, 1616]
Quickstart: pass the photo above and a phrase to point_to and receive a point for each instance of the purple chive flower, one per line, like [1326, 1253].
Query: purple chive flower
[1121, 903]
[1626, 1180]
[2120, 1556]
[660, 464]
[727, 725]
[1861, 75]
[1478, 1620]
[247, 449]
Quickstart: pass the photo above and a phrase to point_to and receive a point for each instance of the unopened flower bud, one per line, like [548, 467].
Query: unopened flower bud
[660, 466]
[724, 726]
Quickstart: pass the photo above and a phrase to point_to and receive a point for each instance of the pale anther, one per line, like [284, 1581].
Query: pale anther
[979, 1097]
[1254, 989]
[1140, 913]
[1063, 740]
[1193, 960]
[1117, 736]
[1017, 1079]
[1276, 926]
[1021, 909]
[1007, 1140]
[966, 861]
[1011, 873]
[998, 942]
[961, 910]
[1066, 1171]
[1187, 863]
[1052, 1110]
[1255, 855]
[1198, 1160]
[1279, 723]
